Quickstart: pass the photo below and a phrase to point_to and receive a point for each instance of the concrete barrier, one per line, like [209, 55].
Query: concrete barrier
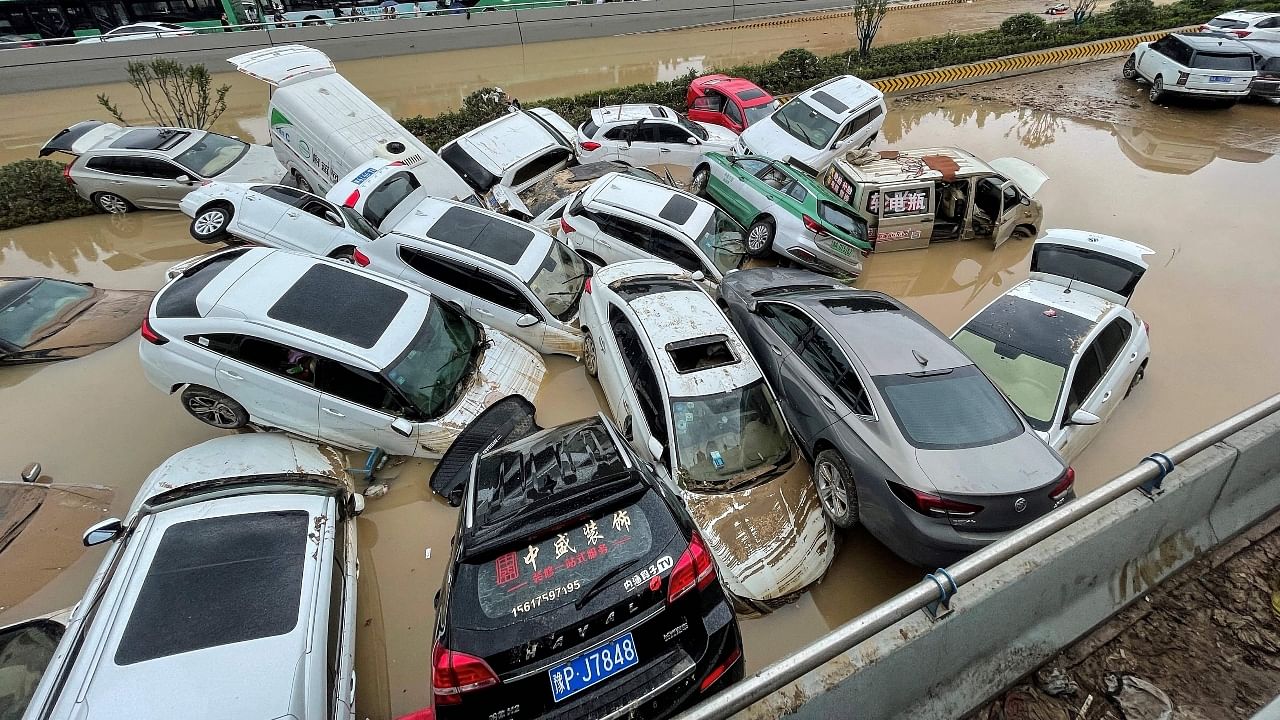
[1008, 621]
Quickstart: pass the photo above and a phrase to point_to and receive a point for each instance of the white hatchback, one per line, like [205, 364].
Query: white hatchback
[690, 399]
[644, 135]
[816, 126]
[1246, 24]
[327, 351]
[1064, 345]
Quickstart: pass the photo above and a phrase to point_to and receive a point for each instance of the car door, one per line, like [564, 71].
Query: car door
[500, 304]
[625, 353]
[1085, 391]
[1151, 61]
[674, 146]
[262, 208]
[779, 329]
[274, 382]
[619, 238]
[643, 416]
[997, 193]
[734, 118]
[822, 386]
[313, 228]
[774, 187]
[709, 108]
[737, 192]
[161, 181]
[904, 215]
[617, 140]
[664, 245]
[1267, 29]
[645, 148]
[357, 408]
[342, 620]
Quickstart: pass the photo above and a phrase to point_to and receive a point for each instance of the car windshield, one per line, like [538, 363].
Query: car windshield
[559, 281]
[843, 220]
[806, 124]
[721, 240]
[760, 112]
[947, 410]
[693, 127]
[1032, 383]
[212, 154]
[27, 306]
[1228, 24]
[727, 441]
[358, 223]
[435, 368]
[1222, 61]
[480, 179]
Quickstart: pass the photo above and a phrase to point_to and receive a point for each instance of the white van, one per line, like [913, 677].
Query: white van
[814, 127]
[322, 126]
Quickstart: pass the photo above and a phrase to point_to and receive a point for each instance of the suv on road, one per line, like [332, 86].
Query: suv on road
[1245, 24]
[818, 125]
[1198, 64]
[327, 351]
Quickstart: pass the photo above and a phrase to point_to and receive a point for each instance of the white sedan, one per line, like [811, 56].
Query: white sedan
[140, 31]
[1064, 345]
[276, 216]
[644, 135]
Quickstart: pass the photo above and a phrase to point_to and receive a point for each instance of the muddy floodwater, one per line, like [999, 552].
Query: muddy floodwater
[1206, 208]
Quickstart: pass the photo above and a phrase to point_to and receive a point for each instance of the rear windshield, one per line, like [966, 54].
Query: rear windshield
[952, 410]
[1032, 383]
[1226, 24]
[589, 128]
[1222, 61]
[843, 220]
[179, 299]
[477, 177]
[388, 195]
[1105, 271]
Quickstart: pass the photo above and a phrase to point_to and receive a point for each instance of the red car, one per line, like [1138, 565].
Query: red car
[729, 102]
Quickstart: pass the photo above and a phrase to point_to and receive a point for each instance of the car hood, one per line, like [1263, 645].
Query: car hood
[114, 316]
[1013, 466]
[768, 139]
[718, 135]
[259, 164]
[769, 541]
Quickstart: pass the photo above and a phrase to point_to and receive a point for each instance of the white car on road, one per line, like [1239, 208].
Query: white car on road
[276, 216]
[501, 272]
[644, 135]
[815, 127]
[140, 31]
[327, 351]
[1064, 345]
[1246, 24]
[1198, 64]
[690, 399]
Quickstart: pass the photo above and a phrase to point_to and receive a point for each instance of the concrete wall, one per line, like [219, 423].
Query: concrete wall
[1015, 617]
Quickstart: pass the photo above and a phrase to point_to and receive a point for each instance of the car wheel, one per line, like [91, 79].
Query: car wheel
[589, 359]
[300, 181]
[213, 408]
[760, 238]
[1130, 69]
[701, 177]
[1157, 90]
[344, 254]
[112, 203]
[1137, 378]
[210, 223]
[836, 491]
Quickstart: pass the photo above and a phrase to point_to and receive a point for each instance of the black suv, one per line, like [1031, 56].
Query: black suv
[577, 587]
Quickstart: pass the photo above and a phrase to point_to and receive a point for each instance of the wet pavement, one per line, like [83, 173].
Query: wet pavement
[1207, 210]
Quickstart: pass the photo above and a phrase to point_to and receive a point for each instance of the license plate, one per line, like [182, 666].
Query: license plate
[1220, 78]
[844, 249]
[593, 666]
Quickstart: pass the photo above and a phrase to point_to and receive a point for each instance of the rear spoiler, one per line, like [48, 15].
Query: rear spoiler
[280, 65]
[65, 140]
[505, 421]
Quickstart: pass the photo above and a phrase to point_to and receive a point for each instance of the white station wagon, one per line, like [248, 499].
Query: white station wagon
[327, 351]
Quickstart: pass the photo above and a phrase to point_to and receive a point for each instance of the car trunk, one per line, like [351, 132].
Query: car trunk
[994, 488]
[1100, 265]
[1219, 72]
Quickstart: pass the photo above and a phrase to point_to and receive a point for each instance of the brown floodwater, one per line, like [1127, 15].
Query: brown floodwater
[1208, 298]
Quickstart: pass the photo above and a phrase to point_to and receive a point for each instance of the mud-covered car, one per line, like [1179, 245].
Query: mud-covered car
[547, 198]
[577, 586]
[42, 319]
[690, 398]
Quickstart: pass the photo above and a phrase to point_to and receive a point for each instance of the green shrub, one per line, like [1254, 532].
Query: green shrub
[1027, 24]
[33, 191]
[1132, 13]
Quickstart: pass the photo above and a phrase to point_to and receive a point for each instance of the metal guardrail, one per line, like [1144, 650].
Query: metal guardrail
[1147, 476]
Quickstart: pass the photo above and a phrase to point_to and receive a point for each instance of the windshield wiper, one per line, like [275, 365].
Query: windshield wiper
[599, 585]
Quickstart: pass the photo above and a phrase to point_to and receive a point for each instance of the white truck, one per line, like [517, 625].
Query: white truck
[322, 127]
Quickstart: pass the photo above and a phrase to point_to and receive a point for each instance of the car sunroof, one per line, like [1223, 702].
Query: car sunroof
[480, 233]
[701, 353]
[150, 139]
[678, 209]
[851, 305]
[832, 103]
[341, 304]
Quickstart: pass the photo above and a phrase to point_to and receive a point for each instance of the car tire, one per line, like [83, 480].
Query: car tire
[1157, 89]
[1137, 378]
[344, 254]
[301, 182]
[210, 223]
[1130, 69]
[213, 408]
[836, 490]
[589, 360]
[760, 238]
[111, 203]
[698, 183]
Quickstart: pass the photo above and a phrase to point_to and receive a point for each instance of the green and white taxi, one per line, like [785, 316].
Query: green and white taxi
[786, 210]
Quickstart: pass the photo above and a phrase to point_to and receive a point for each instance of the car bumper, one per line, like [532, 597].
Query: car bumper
[1206, 92]
[152, 358]
[813, 256]
[1265, 88]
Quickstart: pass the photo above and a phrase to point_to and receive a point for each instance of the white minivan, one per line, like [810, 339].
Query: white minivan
[835, 116]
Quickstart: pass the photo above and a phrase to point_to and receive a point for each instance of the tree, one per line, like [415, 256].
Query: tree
[173, 94]
[1083, 10]
[867, 16]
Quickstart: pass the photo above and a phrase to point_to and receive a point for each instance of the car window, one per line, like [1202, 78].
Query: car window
[476, 175]
[1111, 341]
[710, 102]
[222, 343]
[355, 385]
[751, 166]
[1178, 52]
[620, 132]
[108, 164]
[539, 165]
[843, 220]
[773, 177]
[668, 133]
[388, 195]
[212, 155]
[796, 190]
[862, 120]
[825, 358]
[287, 195]
[1089, 373]
[446, 271]
[277, 359]
[1222, 61]
[322, 211]
[1226, 24]
[628, 231]
[640, 371]
[733, 113]
[589, 128]
[502, 293]
[29, 306]
[789, 323]
[357, 222]
[662, 245]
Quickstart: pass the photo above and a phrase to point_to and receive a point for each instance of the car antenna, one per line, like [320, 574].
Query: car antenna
[1069, 281]
[924, 361]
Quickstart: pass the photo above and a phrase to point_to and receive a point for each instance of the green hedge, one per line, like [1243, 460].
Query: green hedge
[796, 69]
[34, 191]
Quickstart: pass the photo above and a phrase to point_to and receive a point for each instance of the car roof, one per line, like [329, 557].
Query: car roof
[1212, 42]
[629, 113]
[1021, 319]
[841, 95]
[681, 315]
[932, 163]
[478, 234]
[733, 86]
[502, 143]
[651, 200]
[1082, 304]
[1266, 47]
[1253, 15]
[352, 311]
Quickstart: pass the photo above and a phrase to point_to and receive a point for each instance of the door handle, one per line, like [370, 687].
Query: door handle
[250, 198]
[117, 182]
[776, 351]
[292, 214]
[662, 150]
[482, 311]
[827, 402]
[231, 375]
[334, 413]
[1106, 396]
[1133, 357]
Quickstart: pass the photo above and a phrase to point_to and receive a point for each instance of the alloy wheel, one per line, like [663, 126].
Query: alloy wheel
[699, 182]
[758, 238]
[211, 222]
[589, 361]
[113, 203]
[212, 411]
[831, 490]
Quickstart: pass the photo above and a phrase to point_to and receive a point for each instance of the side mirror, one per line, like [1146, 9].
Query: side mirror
[698, 276]
[1025, 200]
[31, 473]
[184, 180]
[1084, 417]
[355, 504]
[332, 217]
[656, 448]
[693, 141]
[101, 532]
[627, 433]
[527, 320]
[402, 427]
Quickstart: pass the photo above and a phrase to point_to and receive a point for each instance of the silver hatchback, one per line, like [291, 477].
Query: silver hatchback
[120, 169]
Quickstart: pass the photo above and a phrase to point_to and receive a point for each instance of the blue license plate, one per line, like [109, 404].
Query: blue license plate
[1220, 78]
[593, 666]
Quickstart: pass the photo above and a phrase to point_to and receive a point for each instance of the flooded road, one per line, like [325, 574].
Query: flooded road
[1205, 208]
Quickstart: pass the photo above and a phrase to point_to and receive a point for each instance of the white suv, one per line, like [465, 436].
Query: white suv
[326, 351]
[1199, 64]
[228, 590]
[816, 126]
[503, 273]
[1246, 24]
[644, 135]
[620, 217]
[690, 399]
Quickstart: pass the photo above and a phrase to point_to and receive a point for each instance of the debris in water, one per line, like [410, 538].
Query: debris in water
[1138, 699]
[376, 490]
[1056, 683]
[428, 554]
[1051, 313]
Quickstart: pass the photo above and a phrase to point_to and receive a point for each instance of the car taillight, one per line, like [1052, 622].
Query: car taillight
[813, 225]
[352, 199]
[1064, 484]
[1182, 77]
[933, 505]
[589, 145]
[1242, 33]
[565, 226]
[150, 335]
[360, 258]
[586, 286]
[711, 679]
[425, 713]
[694, 567]
[455, 673]
[66, 174]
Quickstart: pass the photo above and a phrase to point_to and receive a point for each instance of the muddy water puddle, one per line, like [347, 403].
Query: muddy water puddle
[1208, 298]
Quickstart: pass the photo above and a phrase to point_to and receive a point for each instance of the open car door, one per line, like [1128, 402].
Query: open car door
[283, 64]
[1101, 265]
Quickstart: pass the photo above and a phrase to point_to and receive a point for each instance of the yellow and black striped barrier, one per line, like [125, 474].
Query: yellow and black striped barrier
[810, 16]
